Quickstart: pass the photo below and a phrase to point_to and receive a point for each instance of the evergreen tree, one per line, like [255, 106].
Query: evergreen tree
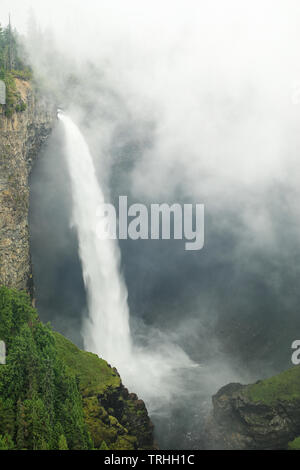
[103, 446]
[40, 404]
[62, 443]
[6, 442]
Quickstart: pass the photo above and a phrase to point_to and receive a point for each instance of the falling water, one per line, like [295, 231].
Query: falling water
[154, 369]
[106, 331]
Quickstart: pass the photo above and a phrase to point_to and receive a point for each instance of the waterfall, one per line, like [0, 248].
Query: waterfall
[153, 370]
[106, 330]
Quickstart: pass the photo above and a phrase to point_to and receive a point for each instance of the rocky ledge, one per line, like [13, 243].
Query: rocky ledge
[265, 415]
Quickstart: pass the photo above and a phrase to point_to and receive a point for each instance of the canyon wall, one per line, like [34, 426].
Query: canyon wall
[21, 138]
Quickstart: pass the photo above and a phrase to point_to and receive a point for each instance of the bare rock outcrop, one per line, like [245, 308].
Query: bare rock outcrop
[21, 137]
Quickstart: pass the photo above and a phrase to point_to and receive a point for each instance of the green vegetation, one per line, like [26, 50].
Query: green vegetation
[40, 404]
[283, 387]
[55, 396]
[112, 417]
[12, 67]
[104, 446]
[295, 444]
[62, 443]
[93, 373]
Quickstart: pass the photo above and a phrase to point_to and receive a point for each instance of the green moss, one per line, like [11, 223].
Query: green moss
[295, 444]
[94, 374]
[125, 443]
[283, 387]
[106, 428]
[98, 382]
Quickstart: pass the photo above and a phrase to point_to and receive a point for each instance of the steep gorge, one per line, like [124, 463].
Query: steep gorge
[115, 418]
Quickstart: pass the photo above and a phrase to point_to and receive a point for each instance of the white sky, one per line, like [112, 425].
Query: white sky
[173, 54]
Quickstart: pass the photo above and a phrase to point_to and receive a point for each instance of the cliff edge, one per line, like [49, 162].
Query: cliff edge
[21, 136]
[261, 416]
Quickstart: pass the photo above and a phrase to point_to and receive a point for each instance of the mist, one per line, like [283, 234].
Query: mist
[179, 102]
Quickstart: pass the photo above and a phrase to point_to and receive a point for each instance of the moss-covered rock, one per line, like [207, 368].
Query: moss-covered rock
[295, 444]
[113, 415]
[284, 387]
[264, 415]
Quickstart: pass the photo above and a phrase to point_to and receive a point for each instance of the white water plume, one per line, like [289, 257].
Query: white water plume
[154, 371]
[107, 329]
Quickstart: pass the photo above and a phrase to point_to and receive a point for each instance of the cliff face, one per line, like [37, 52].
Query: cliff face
[265, 415]
[98, 411]
[21, 138]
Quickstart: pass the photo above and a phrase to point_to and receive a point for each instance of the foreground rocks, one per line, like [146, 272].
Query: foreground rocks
[265, 415]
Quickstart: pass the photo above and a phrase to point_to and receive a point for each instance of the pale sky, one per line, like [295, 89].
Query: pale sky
[245, 52]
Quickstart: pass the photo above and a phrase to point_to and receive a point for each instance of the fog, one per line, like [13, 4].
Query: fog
[180, 102]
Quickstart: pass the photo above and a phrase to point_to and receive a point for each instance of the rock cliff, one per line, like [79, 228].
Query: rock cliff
[21, 137]
[265, 415]
[106, 415]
